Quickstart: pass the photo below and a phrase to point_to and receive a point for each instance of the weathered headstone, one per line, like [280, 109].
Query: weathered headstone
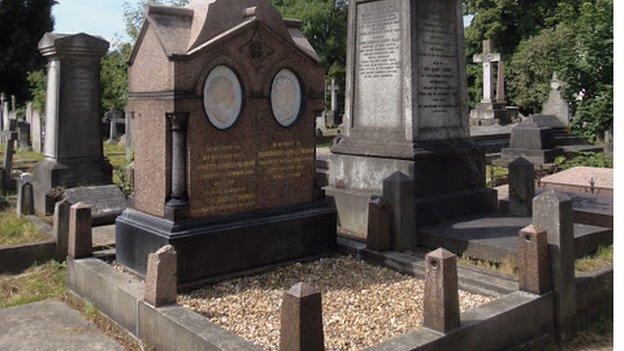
[492, 110]
[533, 139]
[379, 236]
[61, 228]
[533, 261]
[23, 136]
[13, 113]
[7, 167]
[521, 187]
[406, 110]
[80, 242]
[441, 299]
[4, 111]
[556, 104]
[107, 201]
[35, 131]
[552, 212]
[73, 145]
[161, 285]
[29, 112]
[227, 155]
[301, 326]
[25, 202]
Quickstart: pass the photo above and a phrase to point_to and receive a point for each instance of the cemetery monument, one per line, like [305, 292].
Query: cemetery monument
[556, 104]
[224, 96]
[73, 154]
[407, 111]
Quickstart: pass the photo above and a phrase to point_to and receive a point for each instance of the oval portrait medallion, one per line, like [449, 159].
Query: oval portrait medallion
[286, 97]
[223, 97]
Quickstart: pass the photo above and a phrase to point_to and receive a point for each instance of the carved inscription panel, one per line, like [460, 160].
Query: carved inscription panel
[439, 93]
[378, 92]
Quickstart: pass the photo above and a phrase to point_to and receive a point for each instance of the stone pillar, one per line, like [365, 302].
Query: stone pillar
[25, 201]
[161, 284]
[441, 300]
[398, 191]
[61, 228]
[73, 144]
[4, 111]
[500, 84]
[521, 187]
[552, 212]
[23, 136]
[178, 200]
[8, 156]
[13, 108]
[379, 236]
[301, 326]
[533, 261]
[112, 132]
[35, 131]
[80, 242]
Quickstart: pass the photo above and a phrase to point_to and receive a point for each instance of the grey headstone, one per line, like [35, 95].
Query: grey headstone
[106, 201]
[61, 228]
[23, 135]
[521, 187]
[552, 212]
[25, 197]
[441, 298]
[556, 104]
[398, 191]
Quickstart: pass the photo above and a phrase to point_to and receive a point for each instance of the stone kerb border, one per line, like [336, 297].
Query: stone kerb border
[15, 259]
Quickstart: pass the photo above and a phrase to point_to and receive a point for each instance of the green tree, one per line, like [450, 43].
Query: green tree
[22, 24]
[37, 86]
[134, 13]
[115, 77]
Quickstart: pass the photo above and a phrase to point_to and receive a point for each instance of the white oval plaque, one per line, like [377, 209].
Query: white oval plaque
[286, 97]
[223, 97]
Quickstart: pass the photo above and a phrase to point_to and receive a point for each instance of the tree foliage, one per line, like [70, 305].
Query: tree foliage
[22, 24]
[134, 13]
[114, 77]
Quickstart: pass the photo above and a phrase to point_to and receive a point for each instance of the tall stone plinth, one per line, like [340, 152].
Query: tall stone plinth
[73, 146]
[406, 110]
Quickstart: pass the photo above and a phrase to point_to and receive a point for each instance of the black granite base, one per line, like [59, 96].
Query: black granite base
[209, 248]
[50, 174]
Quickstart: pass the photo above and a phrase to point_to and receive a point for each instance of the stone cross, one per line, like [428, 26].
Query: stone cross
[161, 284]
[301, 326]
[441, 299]
[333, 89]
[487, 57]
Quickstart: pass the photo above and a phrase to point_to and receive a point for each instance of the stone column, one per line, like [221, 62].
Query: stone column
[301, 326]
[73, 144]
[178, 199]
[441, 300]
[161, 285]
[80, 242]
[552, 212]
[521, 187]
[533, 261]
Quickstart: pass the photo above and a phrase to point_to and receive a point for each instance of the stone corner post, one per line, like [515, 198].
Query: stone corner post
[441, 299]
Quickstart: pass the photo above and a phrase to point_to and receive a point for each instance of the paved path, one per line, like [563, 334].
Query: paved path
[50, 325]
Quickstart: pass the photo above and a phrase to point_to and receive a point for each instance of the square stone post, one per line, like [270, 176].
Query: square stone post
[61, 228]
[80, 242]
[521, 187]
[379, 236]
[178, 200]
[441, 300]
[161, 284]
[399, 192]
[552, 212]
[301, 326]
[533, 261]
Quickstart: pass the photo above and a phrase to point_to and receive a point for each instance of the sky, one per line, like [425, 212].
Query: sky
[95, 17]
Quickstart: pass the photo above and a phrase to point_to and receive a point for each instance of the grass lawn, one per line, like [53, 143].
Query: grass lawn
[602, 258]
[17, 231]
[36, 284]
[25, 156]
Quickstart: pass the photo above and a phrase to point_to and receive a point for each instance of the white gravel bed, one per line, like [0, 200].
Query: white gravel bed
[363, 305]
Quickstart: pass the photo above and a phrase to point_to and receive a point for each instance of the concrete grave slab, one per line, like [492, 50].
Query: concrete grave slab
[50, 325]
[495, 237]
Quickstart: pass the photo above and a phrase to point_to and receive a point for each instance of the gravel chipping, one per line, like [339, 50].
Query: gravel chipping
[363, 305]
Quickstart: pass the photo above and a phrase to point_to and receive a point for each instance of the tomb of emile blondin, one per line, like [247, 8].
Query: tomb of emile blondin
[224, 96]
[406, 110]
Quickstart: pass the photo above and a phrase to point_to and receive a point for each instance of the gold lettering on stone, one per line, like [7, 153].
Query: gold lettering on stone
[285, 160]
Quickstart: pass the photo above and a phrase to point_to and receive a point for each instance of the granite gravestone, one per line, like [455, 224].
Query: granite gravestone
[406, 110]
[224, 96]
[534, 140]
[556, 104]
[73, 146]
